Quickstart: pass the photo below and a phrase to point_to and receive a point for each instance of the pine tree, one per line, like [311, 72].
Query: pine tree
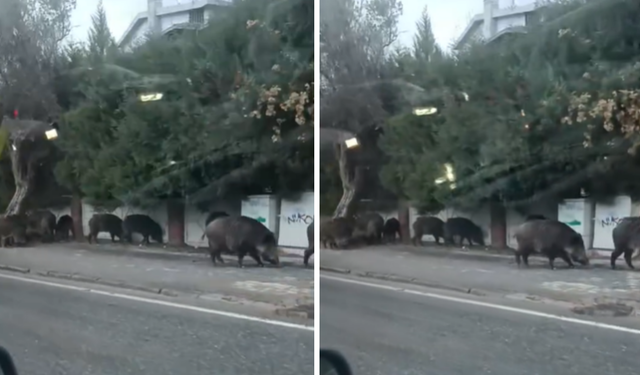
[425, 47]
[101, 42]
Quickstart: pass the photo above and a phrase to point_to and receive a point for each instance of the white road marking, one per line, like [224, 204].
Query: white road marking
[158, 302]
[487, 305]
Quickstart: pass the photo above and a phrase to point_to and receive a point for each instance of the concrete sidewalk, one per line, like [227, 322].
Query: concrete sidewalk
[287, 287]
[288, 257]
[481, 272]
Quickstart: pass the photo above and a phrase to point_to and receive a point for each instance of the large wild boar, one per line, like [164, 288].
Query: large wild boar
[310, 249]
[64, 228]
[391, 230]
[336, 233]
[427, 225]
[105, 223]
[242, 235]
[143, 225]
[13, 228]
[41, 224]
[368, 228]
[211, 217]
[551, 238]
[463, 228]
[626, 239]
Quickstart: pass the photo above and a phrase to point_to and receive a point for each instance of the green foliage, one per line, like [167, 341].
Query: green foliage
[235, 117]
[520, 135]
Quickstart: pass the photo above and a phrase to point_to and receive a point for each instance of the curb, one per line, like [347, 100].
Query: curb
[99, 281]
[90, 280]
[14, 269]
[336, 270]
[301, 311]
[404, 280]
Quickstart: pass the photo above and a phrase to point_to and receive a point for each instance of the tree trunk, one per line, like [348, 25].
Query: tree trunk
[405, 226]
[76, 215]
[23, 174]
[498, 219]
[351, 177]
[176, 225]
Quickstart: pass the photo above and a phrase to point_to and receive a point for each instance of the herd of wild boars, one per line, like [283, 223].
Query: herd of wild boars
[17, 230]
[237, 235]
[371, 228]
[367, 228]
[537, 235]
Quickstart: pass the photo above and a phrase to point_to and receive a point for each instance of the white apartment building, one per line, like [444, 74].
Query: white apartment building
[499, 17]
[166, 16]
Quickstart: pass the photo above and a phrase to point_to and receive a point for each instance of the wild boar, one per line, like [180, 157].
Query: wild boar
[427, 225]
[551, 238]
[242, 235]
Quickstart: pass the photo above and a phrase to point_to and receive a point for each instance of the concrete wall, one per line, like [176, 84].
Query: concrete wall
[604, 218]
[481, 216]
[292, 218]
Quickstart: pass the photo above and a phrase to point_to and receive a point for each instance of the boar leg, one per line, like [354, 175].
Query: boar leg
[241, 251]
[522, 256]
[213, 257]
[627, 257]
[253, 253]
[567, 258]
[307, 255]
[525, 258]
[213, 252]
[614, 256]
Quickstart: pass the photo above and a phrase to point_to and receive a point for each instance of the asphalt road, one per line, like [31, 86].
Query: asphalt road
[388, 332]
[51, 330]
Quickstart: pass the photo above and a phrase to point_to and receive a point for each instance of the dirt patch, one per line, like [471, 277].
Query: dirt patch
[610, 309]
[300, 311]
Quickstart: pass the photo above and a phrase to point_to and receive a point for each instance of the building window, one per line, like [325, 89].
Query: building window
[532, 18]
[196, 16]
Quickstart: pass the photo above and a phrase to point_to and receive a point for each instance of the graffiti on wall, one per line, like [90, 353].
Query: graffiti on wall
[610, 221]
[299, 218]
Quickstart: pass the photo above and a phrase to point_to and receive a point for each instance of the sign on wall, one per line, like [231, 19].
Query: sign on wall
[572, 213]
[607, 216]
[578, 214]
[263, 208]
[295, 217]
